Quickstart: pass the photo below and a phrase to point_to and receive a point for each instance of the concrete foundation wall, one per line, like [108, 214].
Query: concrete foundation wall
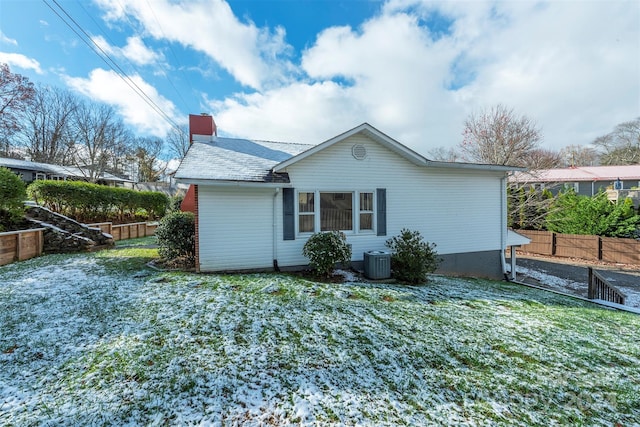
[487, 264]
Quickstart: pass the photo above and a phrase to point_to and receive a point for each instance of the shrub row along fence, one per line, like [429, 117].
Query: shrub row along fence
[24, 244]
[610, 249]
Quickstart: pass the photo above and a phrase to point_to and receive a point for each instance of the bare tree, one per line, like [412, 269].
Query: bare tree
[622, 146]
[443, 154]
[498, 136]
[178, 140]
[579, 155]
[46, 133]
[99, 136]
[16, 95]
[147, 155]
[541, 158]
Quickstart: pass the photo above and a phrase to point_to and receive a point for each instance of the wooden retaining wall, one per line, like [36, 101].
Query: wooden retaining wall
[20, 245]
[610, 249]
[25, 244]
[127, 231]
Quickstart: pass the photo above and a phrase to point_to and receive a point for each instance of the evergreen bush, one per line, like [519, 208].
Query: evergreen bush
[576, 214]
[87, 202]
[176, 236]
[12, 196]
[325, 249]
[411, 257]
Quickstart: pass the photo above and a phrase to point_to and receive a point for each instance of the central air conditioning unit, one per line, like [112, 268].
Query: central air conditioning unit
[377, 265]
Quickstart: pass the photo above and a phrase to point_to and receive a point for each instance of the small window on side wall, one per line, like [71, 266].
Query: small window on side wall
[306, 212]
[366, 211]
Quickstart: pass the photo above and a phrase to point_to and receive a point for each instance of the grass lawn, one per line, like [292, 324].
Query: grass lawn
[100, 339]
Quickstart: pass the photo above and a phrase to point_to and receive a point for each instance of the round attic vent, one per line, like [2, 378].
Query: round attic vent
[359, 152]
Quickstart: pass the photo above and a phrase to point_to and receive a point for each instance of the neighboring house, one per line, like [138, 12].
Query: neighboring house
[257, 202]
[31, 171]
[585, 180]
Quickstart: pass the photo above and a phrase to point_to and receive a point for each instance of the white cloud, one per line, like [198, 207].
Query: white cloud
[108, 87]
[295, 113]
[254, 56]
[135, 50]
[572, 67]
[20, 61]
[5, 39]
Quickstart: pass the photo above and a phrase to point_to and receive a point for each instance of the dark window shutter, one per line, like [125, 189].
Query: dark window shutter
[288, 214]
[381, 211]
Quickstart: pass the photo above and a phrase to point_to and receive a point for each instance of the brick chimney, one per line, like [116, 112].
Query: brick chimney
[201, 124]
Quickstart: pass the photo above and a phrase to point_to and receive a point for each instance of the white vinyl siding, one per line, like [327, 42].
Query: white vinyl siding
[236, 229]
[459, 210]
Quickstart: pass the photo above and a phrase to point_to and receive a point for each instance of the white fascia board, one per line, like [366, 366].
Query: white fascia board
[476, 166]
[240, 184]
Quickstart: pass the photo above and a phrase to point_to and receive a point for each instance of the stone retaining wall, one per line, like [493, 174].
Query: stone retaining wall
[64, 234]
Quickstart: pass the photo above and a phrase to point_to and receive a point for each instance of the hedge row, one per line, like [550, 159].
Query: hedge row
[88, 202]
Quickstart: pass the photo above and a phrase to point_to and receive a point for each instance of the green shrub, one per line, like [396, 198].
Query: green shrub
[176, 236]
[411, 257]
[577, 214]
[324, 250]
[12, 196]
[175, 203]
[89, 202]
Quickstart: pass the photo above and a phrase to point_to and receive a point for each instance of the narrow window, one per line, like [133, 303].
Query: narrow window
[336, 211]
[306, 212]
[366, 211]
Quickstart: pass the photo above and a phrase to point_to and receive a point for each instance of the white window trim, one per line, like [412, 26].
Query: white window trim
[355, 212]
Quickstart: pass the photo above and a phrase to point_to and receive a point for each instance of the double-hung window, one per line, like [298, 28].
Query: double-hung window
[349, 211]
[366, 212]
[306, 212]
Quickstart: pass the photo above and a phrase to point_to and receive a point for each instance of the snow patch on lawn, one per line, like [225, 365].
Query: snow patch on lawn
[82, 344]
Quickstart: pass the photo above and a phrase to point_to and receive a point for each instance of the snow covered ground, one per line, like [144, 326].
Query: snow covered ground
[98, 339]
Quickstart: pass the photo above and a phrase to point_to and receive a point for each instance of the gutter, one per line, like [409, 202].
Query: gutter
[233, 184]
[503, 225]
[275, 231]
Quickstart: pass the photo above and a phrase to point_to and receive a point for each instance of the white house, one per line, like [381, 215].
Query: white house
[257, 202]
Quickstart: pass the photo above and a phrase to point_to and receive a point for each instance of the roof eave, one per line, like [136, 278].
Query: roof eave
[232, 183]
[475, 166]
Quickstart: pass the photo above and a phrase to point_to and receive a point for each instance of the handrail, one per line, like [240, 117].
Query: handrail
[600, 289]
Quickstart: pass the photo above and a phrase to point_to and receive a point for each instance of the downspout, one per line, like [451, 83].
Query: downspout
[275, 231]
[503, 224]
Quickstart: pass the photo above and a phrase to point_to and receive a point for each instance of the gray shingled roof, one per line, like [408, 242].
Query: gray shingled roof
[65, 171]
[231, 159]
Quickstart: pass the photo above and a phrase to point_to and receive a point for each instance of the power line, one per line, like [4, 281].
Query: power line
[109, 61]
[174, 56]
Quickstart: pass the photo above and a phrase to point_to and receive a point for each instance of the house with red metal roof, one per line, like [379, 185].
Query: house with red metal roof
[585, 180]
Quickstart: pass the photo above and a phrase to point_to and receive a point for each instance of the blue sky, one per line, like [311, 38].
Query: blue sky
[304, 71]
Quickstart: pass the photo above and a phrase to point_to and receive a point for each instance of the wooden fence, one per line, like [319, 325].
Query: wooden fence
[25, 244]
[127, 231]
[610, 249]
[20, 245]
